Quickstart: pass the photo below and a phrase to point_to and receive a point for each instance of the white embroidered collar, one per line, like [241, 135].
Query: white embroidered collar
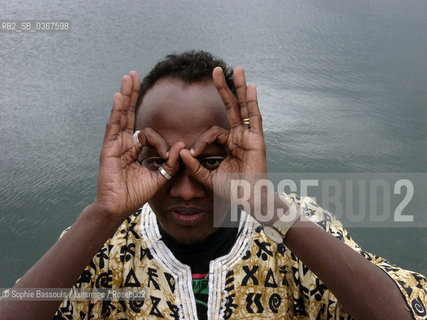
[218, 268]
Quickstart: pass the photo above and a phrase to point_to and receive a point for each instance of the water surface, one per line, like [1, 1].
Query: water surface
[342, 87]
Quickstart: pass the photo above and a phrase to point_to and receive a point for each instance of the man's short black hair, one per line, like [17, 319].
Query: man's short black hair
[190, 66]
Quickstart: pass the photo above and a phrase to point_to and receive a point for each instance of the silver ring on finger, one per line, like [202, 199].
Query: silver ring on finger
[245, 121]
[136, 141]
[164, 173]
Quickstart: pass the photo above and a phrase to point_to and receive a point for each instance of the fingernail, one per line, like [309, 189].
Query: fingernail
[167, 154]
[192, 151]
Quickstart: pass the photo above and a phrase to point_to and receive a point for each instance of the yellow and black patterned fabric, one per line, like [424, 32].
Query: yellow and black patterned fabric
[256, 279]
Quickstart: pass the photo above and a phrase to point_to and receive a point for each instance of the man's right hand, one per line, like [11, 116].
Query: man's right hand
[123, 184]
[123, 187]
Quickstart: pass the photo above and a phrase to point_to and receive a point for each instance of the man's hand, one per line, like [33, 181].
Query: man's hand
[246, 157]
[123, 184]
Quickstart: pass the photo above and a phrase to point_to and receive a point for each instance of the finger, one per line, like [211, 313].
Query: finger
[133, 98]
[240, 84]
[255, 119]
[149, 137]
[113, 125]
[214, 134]
[126, 91]
[230, 102]
[171, 166]
[195, 169]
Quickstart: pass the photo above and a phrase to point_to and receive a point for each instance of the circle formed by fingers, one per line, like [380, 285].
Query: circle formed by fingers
[164, 173]
[245, 121]
[136, 141]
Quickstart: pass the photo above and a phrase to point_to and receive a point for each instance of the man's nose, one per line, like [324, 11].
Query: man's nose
[185, 187]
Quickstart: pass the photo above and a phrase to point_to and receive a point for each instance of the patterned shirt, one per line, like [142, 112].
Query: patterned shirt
[256, 279]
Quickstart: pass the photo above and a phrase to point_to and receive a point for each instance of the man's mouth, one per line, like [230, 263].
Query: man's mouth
[187, 210]
[187, 216]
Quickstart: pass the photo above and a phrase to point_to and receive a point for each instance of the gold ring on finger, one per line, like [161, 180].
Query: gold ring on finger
[245, 121]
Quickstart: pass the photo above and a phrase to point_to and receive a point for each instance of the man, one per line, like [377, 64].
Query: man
[168, 147]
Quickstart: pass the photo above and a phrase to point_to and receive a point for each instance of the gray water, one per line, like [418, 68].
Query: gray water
[342, 86]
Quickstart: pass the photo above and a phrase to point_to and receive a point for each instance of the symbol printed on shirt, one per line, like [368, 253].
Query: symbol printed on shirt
[250, 274]
[270, 282]
[174, 309]
[274, 302]
[132, 280]
[257, 301]
[171, 281]
[154, 310]
[263, 250]
[152, 273]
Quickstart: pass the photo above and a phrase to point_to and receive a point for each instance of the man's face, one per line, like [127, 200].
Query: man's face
[182, 112]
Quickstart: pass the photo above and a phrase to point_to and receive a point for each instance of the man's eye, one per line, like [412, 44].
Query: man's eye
[211, 163]
[152, 163]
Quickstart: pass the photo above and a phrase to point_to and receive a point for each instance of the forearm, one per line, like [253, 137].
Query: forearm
[61, 266]
[362, 288]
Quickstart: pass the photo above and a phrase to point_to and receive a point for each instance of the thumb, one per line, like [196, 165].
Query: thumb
[195, 169]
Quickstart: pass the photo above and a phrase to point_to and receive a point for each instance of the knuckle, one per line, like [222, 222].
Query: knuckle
[243, 104]
[228, 106]
[204, 140]
[253, 114]
[146, 131]
[169, 169]
[220, 85]
[148, 134]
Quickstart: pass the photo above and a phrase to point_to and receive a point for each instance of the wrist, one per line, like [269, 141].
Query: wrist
[269, 207]
[286, 215]
[100, 217]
